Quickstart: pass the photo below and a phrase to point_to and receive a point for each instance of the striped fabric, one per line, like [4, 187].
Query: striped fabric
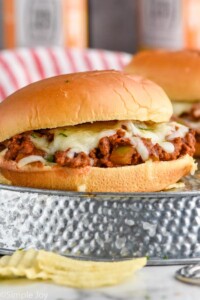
[23, 66]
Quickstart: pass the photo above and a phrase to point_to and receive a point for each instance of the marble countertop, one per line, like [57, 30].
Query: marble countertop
[151, 283]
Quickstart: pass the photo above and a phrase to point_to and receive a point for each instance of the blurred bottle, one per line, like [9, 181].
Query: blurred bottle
[170, 24]
[43, 22]
[113, 24]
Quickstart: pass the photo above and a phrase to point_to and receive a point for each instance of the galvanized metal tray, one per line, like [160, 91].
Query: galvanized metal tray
[165, 226]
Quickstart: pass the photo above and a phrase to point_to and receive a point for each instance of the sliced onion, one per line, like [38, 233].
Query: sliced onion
[30, 159]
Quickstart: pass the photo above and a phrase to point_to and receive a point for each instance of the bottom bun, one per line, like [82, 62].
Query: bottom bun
[146, 177]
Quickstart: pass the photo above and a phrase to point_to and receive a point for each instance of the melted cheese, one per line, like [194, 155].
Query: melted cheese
[177, 185]
[158, 134]
[181, 107]
[84, 138]
[168, 147]
[140, 147]
[181, 132]
[40, 143]
[77, 141]
[193, 125]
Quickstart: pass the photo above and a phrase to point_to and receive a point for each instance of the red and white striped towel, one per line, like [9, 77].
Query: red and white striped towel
[22, 66]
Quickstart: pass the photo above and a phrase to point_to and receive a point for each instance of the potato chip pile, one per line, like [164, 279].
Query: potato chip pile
[33, 264]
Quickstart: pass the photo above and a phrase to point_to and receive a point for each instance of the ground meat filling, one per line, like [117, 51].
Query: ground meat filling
[21, 146]
[192, 116]
[106, 154]
[112, 151]
[79, 160]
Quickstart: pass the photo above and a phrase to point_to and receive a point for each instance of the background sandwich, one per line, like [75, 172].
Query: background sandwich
[103, 131]
[178, 73]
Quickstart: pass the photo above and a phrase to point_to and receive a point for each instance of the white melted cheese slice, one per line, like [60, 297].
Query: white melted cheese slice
[79, 141]
[84, 138]
[181, 107]
[80, 138]
[194, 125]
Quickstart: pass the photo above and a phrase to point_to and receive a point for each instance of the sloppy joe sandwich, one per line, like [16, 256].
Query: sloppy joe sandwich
[178, 73]
[102, 131]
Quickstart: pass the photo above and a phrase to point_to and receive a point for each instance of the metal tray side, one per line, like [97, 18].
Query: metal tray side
[108, 226]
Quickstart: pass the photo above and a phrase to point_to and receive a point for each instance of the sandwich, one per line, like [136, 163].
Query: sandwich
[178, 73]
[101, 131]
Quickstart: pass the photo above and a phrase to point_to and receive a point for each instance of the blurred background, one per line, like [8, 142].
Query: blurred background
[43, 38]
[122, 25]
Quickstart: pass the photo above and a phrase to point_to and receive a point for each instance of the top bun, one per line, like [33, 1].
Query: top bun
[178, 73]
[82, 97]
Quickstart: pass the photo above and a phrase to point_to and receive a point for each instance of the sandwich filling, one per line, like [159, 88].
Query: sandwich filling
[189, 115]
[100, 144]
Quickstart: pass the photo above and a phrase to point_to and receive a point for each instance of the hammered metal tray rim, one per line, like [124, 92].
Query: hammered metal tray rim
[160, 194]
[152, 262]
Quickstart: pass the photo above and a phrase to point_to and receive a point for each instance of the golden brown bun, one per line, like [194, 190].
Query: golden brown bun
[178, 73]
[82, 97]
[146, 177]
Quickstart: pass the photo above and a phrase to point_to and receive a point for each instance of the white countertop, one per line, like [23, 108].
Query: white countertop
[151, 283]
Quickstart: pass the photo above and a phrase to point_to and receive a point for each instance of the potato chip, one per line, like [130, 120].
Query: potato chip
[79, 273]
[34, 264]
[20, 264]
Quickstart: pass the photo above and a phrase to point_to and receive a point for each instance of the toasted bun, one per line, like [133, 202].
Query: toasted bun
[146, 177]
[82, 97]
[178, 73]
